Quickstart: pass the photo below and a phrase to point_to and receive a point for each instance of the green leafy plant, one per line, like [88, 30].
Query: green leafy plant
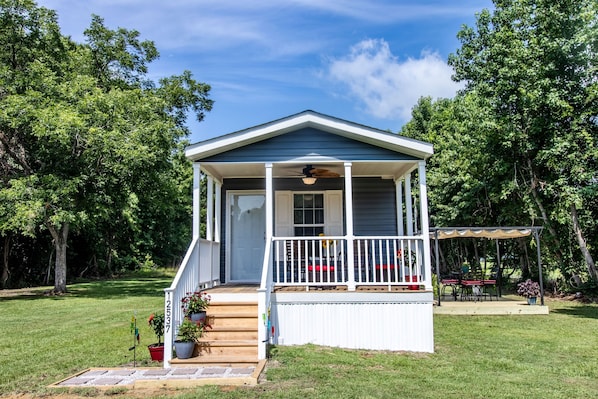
[528, 288]
[195, 302]
[156, 323]
[190, 331]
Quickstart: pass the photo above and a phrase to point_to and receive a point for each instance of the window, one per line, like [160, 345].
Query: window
[308, 214]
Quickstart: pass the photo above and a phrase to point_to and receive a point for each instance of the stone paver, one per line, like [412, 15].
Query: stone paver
[107, 381]
[214, 370]
[242, 371]
[156, 372]
[182, 371]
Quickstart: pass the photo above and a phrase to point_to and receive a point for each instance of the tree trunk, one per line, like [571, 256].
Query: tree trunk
[60, 239]
[533, 183]
[524, 264]
[5, 273]
[582, 244]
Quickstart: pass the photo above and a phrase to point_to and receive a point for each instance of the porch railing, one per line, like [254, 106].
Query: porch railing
[375, 260]
[263, 303]
[200, 269]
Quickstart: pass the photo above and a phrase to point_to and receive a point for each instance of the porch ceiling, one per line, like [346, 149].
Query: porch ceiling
[383, 169]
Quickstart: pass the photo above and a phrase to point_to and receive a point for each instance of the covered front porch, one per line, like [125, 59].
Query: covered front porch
[321, 206]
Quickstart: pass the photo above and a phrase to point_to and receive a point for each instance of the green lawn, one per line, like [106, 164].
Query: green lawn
[44, 339]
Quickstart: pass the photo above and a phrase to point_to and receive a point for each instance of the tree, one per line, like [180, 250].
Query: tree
[85, 136]
[462, 191]
[534, 62]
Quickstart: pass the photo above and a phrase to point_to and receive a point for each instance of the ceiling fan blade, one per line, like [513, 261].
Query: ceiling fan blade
[310, 171]
[318, 171]
[326, 174]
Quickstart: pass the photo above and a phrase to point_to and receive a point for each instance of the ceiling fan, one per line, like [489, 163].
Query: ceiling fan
[311, 174]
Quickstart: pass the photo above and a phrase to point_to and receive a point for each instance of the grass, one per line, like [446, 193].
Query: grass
[44, 339]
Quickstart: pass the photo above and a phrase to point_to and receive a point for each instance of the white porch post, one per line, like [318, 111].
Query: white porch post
[269, 202]
[196, 198]
[425, 231]
[210, 209]
[400, 218]
[218, 211]
[263, 295]
[409, 205]
[349, 222]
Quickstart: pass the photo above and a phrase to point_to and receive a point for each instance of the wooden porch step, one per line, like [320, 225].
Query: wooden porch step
[233, 307]
[232, 320]
[231, 333]
[228, 347]
[223, 361]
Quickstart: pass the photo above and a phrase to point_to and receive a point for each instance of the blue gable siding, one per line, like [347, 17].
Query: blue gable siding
[307, 141]
[374, 210]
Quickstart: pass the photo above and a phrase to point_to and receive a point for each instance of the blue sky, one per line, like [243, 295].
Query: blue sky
[367, 61]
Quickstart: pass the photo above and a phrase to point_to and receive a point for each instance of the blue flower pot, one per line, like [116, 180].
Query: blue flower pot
[198, 317]
[531, 300]
[184, 350]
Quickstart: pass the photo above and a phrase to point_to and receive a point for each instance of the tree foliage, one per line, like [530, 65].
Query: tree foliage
[525, 130]
[89, 145]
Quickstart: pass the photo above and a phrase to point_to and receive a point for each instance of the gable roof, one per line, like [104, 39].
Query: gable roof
[351, 130]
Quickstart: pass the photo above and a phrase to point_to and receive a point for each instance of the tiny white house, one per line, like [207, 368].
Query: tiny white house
[319, 227]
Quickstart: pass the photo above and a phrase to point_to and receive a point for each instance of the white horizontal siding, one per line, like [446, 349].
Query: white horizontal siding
[398, 322]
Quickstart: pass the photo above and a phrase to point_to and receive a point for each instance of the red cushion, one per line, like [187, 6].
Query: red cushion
[324, 268]
[472, 282]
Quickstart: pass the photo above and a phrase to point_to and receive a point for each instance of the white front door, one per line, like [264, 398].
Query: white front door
[246, 236]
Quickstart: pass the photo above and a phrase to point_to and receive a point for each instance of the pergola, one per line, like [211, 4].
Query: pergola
[491, 233]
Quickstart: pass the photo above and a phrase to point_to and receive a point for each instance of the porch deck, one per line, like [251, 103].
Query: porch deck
[505, 305]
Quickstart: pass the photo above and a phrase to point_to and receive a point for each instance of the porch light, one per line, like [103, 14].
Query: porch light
[309, 180]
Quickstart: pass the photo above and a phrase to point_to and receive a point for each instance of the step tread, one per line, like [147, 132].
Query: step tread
[229, 342]
[244, 315]
[215, 359]
[231, 329]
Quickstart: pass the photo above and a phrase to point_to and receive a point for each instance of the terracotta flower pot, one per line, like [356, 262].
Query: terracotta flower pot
[156, 352]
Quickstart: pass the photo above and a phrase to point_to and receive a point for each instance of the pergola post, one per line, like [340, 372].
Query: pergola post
[537, 237]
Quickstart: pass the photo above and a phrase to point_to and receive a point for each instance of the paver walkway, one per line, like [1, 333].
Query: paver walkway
[188, 376]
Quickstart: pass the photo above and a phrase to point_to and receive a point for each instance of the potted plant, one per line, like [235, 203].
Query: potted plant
[156, 323]
[195, 305]
[530, 290]
[188, 334]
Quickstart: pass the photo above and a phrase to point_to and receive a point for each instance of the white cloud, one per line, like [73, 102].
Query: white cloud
[387, 86]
